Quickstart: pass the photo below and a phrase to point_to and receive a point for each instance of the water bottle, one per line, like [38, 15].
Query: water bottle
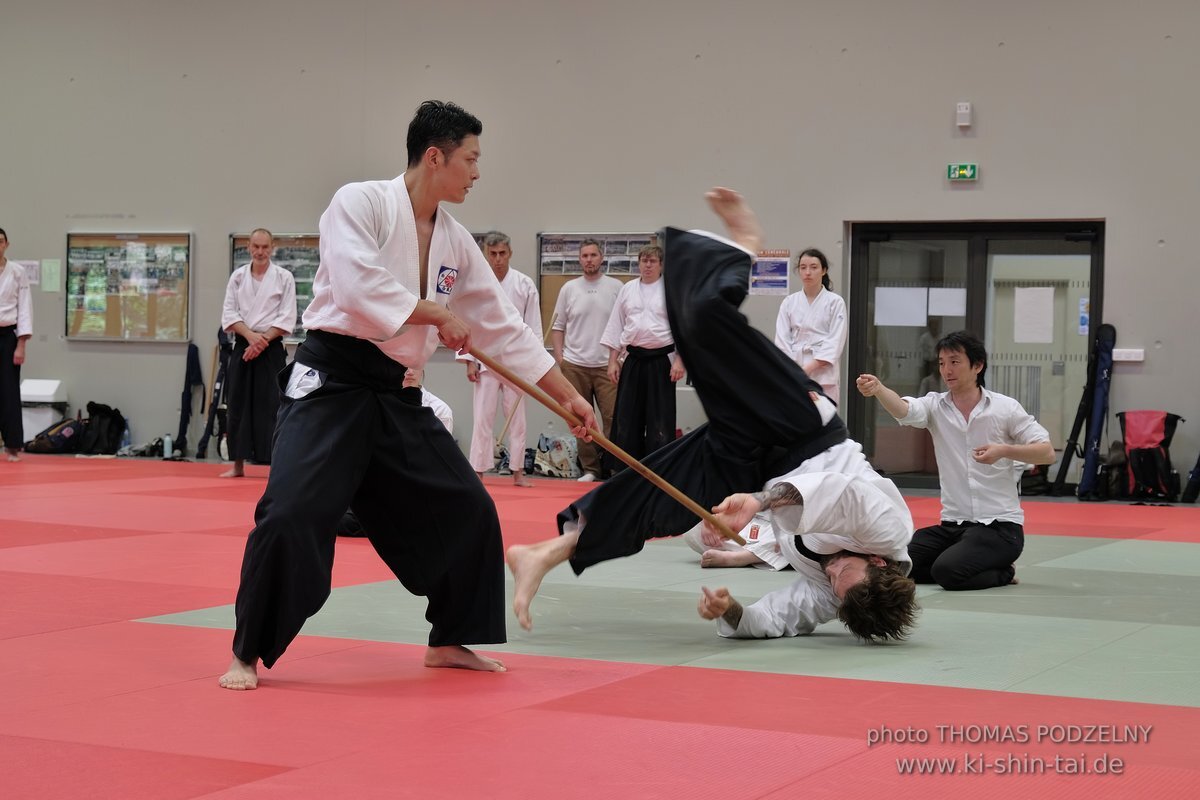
[126, 437]
[168, 446]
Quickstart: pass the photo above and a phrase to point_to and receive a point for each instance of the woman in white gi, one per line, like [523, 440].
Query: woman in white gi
[16, 326]
[811, 326]
[260, 309]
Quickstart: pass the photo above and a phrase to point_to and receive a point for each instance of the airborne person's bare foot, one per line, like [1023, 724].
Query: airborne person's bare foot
[529, 564]
[458, 657]
[240, 676]
[738, 217]
[728, 558]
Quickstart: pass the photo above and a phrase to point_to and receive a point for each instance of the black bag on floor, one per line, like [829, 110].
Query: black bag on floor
[105, 427]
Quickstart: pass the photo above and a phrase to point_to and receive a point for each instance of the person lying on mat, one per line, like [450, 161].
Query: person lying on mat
[751, 436]
[845, 533]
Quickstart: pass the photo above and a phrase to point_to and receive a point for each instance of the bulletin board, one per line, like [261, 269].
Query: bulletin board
[558, 261]
[128, 287]
[299, 254]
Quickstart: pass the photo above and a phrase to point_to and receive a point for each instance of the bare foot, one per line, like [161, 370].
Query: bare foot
[1014, 580]
[459, 657]
[13, 455]
[233, 473]
[728, 558]
[519, 479]
[241, 677]
[738, 217]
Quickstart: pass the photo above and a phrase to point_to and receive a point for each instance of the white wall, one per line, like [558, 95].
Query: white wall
[221, 116]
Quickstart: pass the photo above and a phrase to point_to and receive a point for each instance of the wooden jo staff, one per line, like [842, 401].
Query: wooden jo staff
[602, 440]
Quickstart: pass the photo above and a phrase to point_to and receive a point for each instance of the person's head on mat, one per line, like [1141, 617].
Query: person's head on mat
[877, 600]
[961, 356]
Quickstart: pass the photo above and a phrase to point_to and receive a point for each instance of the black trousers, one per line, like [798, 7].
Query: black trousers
[252, 401]
[362, 442]
[967, 556]
[12, 426]
[761, 421]
[644, 418]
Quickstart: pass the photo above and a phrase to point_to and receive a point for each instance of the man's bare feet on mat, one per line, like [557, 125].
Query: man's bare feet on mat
[458, 657]
[739, 219]
[519, 479]
[240, 677]
[728, 558]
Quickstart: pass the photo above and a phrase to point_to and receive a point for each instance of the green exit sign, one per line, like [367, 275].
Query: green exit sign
[962, 172]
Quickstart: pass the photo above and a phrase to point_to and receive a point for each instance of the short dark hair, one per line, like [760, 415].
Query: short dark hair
[968, 343]
[882, 607]
[819, 256]
[5, 235]
[441, 125]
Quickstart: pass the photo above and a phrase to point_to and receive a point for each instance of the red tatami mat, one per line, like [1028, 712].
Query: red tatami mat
[98, 705]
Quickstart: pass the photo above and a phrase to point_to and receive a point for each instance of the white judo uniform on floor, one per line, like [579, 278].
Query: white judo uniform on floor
[814, 330]
[847, 506]
[489, 388]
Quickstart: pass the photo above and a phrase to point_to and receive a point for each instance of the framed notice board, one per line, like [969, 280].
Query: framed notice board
[298, 253]
[558, 261]
[129, 287]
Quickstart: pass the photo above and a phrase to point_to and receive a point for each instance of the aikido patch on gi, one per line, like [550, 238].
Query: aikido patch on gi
[753, 533]
[446, 278]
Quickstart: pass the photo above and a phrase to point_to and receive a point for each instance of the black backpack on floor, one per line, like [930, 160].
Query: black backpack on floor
[105, 427]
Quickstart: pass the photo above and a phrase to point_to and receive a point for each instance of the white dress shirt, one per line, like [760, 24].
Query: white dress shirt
[971, 491]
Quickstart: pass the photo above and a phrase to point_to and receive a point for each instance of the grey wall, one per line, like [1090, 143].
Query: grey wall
[218, 117]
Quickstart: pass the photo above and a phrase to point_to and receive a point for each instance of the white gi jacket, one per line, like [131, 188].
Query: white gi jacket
[368, 283]
[261, 305]
[815, 330]
[847, 506]
[639, 318]
[16, 308]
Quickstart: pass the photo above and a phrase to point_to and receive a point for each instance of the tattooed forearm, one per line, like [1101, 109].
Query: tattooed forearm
[733, 614]
[781, 494]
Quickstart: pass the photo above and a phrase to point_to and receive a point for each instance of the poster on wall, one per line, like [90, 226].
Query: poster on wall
[769, 273]
[128, 287]
[298, 253]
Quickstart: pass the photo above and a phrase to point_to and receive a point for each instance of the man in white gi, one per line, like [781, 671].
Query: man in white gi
[16, 326]
[489, 388]
[981, 439]
[580, 315]
[642, 361]
[844, 528]
[260, 309]
[398, 274]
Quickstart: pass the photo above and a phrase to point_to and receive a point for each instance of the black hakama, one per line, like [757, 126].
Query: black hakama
[761, 422]
[252, 400]
[360, 441]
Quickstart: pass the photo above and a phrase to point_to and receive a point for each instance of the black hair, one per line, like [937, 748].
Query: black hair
[441, 125]
[968, 343]
[819, 256]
